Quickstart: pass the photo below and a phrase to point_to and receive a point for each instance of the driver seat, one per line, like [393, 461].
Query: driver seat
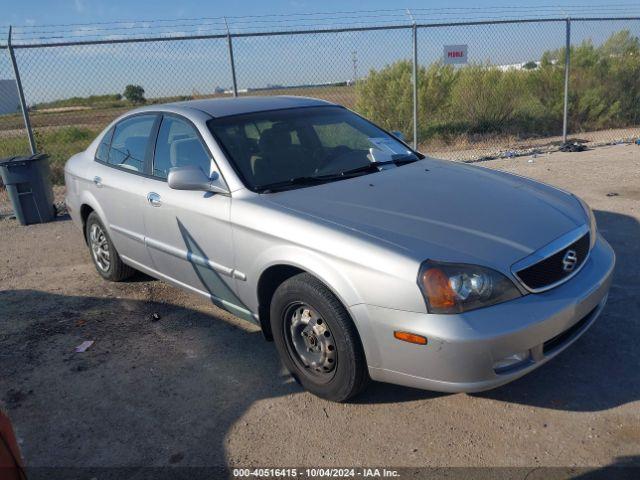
[279, 159]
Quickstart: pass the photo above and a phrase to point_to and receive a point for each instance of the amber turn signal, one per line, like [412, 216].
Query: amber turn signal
[410, 337]
[438, 290]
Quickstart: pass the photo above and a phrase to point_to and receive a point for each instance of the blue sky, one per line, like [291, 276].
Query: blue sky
[29, 12]
[198, 66]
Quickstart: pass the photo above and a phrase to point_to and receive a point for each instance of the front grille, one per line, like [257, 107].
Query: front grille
[550, 270]
[559, 340]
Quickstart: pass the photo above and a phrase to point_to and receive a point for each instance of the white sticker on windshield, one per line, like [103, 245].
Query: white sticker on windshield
[389, 145]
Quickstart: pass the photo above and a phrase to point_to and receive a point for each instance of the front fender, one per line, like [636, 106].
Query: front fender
[329, 274]
[312, 263]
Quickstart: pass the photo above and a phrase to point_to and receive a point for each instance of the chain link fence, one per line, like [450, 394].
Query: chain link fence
[604, 82]
[503, 102]
[326, 65]
[507, 99]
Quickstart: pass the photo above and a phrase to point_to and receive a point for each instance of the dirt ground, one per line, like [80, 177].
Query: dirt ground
[200, 388]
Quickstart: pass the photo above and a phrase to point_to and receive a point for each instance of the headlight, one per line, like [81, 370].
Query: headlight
[591, 218]
[456, 288]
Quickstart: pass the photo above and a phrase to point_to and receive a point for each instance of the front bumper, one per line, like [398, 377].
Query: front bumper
[463, 350]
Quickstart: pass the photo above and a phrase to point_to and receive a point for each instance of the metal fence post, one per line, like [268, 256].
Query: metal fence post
[23, 103]
[414, 63]
[231, 60]
[415, 86]
[567, 60]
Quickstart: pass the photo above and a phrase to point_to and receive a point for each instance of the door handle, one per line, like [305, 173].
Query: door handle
[154, 199]
[97, 181]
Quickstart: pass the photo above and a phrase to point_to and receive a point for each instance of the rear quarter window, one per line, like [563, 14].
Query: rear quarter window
[102, 153]
[130, 142]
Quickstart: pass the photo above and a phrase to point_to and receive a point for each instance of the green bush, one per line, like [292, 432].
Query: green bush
[485, 99]
[385, 97]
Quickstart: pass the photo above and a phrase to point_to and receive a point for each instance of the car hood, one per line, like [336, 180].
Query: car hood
[444, 211]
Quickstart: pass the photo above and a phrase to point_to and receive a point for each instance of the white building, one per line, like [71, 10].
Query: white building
[9, 101]
[518, 66]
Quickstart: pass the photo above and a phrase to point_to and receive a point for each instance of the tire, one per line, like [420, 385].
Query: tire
[329, 360]
[108, 263]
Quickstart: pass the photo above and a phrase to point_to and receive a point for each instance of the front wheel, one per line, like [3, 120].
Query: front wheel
[317, 340]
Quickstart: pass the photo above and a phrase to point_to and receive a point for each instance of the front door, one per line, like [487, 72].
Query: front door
[188, 233]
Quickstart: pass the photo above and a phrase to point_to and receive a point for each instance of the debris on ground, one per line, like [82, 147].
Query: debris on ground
[84, 346]
[61, 208]
[612, 194]
[573, 147]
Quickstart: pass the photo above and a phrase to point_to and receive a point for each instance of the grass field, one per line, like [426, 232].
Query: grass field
[59, 143]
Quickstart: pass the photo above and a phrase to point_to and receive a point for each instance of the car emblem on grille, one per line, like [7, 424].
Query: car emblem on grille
[569, 261]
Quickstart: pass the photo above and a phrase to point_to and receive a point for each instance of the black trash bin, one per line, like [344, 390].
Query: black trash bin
[29, 188]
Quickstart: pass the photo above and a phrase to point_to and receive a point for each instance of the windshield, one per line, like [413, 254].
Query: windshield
[303, 146]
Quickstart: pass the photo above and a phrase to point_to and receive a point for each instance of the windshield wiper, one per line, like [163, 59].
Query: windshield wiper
[318, 179]
[373, 166]
[405, 159]
[369, 167]
[275, 186]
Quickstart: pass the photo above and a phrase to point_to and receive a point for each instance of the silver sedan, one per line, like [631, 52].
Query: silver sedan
[359, 256]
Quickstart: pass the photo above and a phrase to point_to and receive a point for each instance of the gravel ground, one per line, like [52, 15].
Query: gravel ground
[199, 387]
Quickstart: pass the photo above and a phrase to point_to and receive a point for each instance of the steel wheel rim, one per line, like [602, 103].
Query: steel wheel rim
[99, 247]
[310, 342]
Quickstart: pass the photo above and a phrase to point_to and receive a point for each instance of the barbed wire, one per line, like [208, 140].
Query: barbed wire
[360, 13]
[403, 15]
[239, 24]
[307, 14]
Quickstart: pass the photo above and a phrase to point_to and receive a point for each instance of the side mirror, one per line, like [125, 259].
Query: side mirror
[398, 134]
[191, 177]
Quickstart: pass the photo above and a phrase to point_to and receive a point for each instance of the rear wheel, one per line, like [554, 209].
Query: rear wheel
[317, 340]
[104, 255]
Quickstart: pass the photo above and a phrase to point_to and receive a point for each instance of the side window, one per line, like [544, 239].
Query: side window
[178, 145]
[102, 152]
[129, 143]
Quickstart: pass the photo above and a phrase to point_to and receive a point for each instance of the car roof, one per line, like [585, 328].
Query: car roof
[224, 107]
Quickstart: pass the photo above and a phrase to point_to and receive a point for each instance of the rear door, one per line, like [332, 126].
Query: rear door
[120, 183]
[188, 233]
